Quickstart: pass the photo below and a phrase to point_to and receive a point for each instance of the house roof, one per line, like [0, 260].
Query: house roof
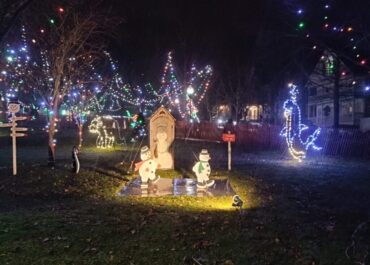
[162, 109]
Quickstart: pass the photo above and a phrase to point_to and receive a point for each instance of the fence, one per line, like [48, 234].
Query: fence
[346, 142]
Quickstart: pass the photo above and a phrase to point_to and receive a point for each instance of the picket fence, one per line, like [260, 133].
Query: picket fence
[345, 142]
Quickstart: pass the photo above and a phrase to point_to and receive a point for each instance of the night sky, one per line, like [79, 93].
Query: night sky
[204, 32]
[227, 35]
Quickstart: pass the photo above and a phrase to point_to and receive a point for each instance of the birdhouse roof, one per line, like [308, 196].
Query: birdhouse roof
[162, 111]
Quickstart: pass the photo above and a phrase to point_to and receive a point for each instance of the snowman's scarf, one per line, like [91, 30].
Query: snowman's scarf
[201, 166]
[138, 165]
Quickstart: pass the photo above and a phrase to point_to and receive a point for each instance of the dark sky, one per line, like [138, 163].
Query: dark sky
[220, 33]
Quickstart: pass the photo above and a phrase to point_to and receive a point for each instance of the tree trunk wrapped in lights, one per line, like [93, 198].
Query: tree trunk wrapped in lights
[64, 53]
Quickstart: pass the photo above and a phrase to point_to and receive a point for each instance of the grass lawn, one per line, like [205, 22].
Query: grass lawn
[293, 213]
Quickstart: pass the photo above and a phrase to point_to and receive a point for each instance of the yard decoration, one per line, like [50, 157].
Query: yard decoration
[104, 139]
[162, 135]
[75, 160]
[147, 167]
[202, 170]
[229, 138]
[294, 127]
[14, 108]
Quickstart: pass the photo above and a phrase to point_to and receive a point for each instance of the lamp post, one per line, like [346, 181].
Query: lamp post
[189, 93]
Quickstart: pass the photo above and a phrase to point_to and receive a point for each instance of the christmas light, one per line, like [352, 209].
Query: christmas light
[301, 25]
[294, 127]
[184, 96]
[346, 28]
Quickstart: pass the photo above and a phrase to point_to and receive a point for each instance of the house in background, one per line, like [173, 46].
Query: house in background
[253, 113]
[320, 92]
[248, 113]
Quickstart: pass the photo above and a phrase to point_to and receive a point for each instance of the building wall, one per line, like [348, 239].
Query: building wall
[320, 88]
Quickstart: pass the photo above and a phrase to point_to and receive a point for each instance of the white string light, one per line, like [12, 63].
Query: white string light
[294, 127]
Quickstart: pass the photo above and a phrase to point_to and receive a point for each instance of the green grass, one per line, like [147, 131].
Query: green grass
[68, 219]
[293, 214]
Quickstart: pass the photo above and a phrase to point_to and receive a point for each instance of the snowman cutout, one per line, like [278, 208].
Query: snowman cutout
[146, 167]
[202, 170]
[163, 156]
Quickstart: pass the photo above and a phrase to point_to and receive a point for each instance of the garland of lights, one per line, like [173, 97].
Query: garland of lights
[118, 94]
[294, 127]
[345, 31]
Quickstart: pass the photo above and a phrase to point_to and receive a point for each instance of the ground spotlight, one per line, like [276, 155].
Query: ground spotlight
[237, 201]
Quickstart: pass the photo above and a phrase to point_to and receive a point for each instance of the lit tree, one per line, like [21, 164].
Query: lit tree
[184, 96]
[69, 47]
[15, 64]
[80, 102]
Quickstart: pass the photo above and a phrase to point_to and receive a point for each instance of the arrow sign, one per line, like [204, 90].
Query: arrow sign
[19, 118]
[18, 134]
[6, 125]
[20, 129]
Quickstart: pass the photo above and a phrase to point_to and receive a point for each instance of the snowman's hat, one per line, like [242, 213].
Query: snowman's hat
[144, 149]
[204, 152]
[204, 155]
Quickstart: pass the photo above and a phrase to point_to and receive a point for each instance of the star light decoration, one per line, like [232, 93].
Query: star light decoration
[294, 127]
[187, 95]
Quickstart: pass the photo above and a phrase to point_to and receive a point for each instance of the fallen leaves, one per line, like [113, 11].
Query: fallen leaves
[203, 244]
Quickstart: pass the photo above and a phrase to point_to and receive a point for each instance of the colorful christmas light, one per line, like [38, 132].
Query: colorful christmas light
[187, 95]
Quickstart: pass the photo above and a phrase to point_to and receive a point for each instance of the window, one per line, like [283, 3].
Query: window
[313, 111]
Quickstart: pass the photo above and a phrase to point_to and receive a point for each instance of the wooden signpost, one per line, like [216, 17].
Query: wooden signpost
[229, 138]
[13, 108]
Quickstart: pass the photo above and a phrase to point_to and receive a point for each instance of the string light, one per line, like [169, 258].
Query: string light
[294, 127]
[330, 25]
[187, 95]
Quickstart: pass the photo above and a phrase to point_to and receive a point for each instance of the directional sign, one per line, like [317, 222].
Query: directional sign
[18, 134]
[14, 107]
[6, 125]
[226, 137]
[20, 129]
[19, 118]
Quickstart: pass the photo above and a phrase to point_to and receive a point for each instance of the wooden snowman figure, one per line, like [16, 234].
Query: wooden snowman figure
[147, 167]
[163, 156]
[202, 170]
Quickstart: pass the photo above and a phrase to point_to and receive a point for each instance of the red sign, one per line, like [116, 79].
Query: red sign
[228, 137]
